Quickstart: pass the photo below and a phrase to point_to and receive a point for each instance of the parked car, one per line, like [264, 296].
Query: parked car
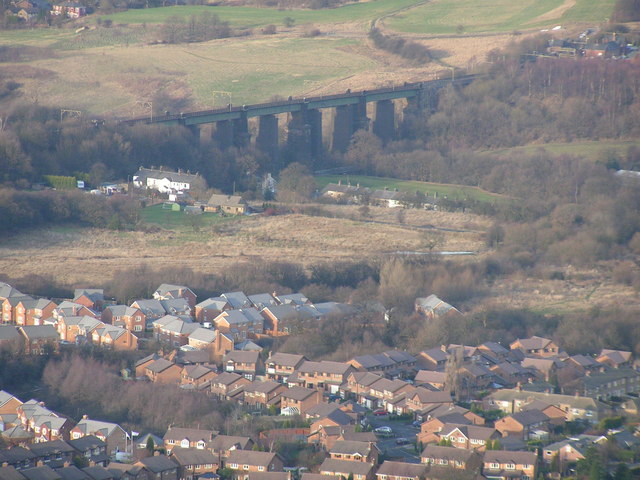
[402, 441]
[380, 412]
[416, 424]
[384, 431]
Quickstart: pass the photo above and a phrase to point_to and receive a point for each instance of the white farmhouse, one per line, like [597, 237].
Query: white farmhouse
[165, 181]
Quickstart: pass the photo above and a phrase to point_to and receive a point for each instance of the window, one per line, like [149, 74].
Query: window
[494, 466]
[137, 328]
[261, 468]
[234, 465]
[510, 466]
[246, 467]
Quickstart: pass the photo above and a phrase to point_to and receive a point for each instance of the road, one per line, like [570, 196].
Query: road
[401, 429]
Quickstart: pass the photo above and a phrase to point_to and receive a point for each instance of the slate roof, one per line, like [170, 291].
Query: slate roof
[160, 365]
[53, 447]
[298, 393]
[242, 356]
[193, 456]
[345, 467]
[8, 333]
[403, 469]
[501, 456]
[250, 457]
[143, 173]
[98, 473]
[41, 473]
[469, 431]
[88, 442]
[205, 335]
[40, 331]
[72, 473]
[192, 434]
[237, 299]
[158, 463]
[533, 343]
[350, 447]
[448, 453]
[219, 200]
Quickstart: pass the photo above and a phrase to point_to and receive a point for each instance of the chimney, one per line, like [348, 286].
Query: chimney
[85, 417]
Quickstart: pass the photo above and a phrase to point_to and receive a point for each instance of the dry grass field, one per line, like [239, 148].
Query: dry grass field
[89, 256]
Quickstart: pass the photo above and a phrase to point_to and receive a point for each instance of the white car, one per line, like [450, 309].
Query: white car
[384, 430]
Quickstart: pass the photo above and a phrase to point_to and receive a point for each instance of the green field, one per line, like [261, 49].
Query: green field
[156, 215]
[591, 150]
[489, 16]
[455, 192]
[255, 17]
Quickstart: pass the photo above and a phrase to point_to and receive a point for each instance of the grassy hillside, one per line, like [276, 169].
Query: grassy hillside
[590, 150]
[451, 191]
[448, 16]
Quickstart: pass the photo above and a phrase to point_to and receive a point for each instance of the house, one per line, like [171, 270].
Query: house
[174, 330]
[279, 366]
[111, 433]
[18, 458]
[429, 377]
[9, 307]
[196, 375]
[193, 462]
[471, 437]
[44, 472]
[614, 382]
[72, 309]
[297, 400]
[246, 363]
[54, 454]
[47, 428]
[545, 368]
[259, 394]
[227, 382]
[33, 312]
[263, 300]
[401, 471]
[387, 198]
[575, 407]
[152, 309]
[209, 309]
[279, 319]
[615, 358]
[348, 469]
[168, 292]
[323, 375]
[163, 371]
[230, 204]
[39, 340]
[10, 338]
[503, 465]
[567, 452]
[159, 467]
[433, 359]
[433, 307]
[166, 181]
[536, 346]
[252, 461]
[523, 424]
[241, 323]
[77, 329]
[422, 399]
[237, 300]
[338, 191]
[115, 338]
[92, 298]
[583, 363]
[187, 438]
[8, 403]
[451, 457]
[92, 449]
[512, 373]
[69, 10]
[131, 318]
[223, 445]
[355, 451]
[141, 365]
[376, 363]
[126, 471]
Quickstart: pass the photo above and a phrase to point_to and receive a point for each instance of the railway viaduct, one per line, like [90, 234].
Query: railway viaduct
[304, 125]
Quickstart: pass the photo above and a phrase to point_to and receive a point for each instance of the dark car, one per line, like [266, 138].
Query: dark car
[402, 441]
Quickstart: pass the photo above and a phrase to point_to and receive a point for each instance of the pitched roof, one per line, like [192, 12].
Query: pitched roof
[72, 473]
[225, 442]
[9, 333]
[237, 299]
[160, 365]
[98, 473]
[298, 393]
[40, 331]
[403, 469]
[351, 447]
[192, 434]
[219, 200]
[469, 431]
[345, 467]
[286, 359]
[502, 456]
[324, 366]
[532, 343]
[179, 177]
[87, 442]
[41, 473]
[250, 457]
[193, 456]
[158, 463]
[529, 417]
[449, 453]
[242, 356]
[52, 447]
[89, 426]
[10, 473]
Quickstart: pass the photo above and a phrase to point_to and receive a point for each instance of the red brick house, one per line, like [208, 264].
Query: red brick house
[226, 383]
[246, 363]
[280, 366]
[299, 399]
[503, 465]
[187, 438]
[167, 292]
[193, 462]
[163, 371]
[39, 340]
[251, 461]
[131, 318]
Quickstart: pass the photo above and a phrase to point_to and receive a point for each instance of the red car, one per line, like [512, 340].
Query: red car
[380, 412]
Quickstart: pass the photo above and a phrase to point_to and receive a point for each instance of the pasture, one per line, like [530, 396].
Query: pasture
[494, 16]
[589, 150]
[456, 192]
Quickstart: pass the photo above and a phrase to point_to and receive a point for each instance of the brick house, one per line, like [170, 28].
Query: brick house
[523, 424]
[187, 438]
[503, 465]
[423, 399]
[615, 358]
[209, 309]
[193, 462]
[47, 428]
[92, 449]
[401, 471]
[259, 394]
[299, 399]
[111, 433]
[246, 363]
[8, 403]
[115, 338]
[240, 324]
[471, 437]
[201, 338]
[38, 340]
[251, 461]
[324, 375]
[9, 308]
[33, 312]
[167, 292]
[70, 327]
[451, 457]
[131, 318]
[53, 454]
[92, 298]
[163, 371]
[174, 330]
[196, 375]
[355, 451]
[226, 383]
[70, 10]
[158, 467]
[223, 445]
[347, 469]
[536, 346]
[279, 366]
